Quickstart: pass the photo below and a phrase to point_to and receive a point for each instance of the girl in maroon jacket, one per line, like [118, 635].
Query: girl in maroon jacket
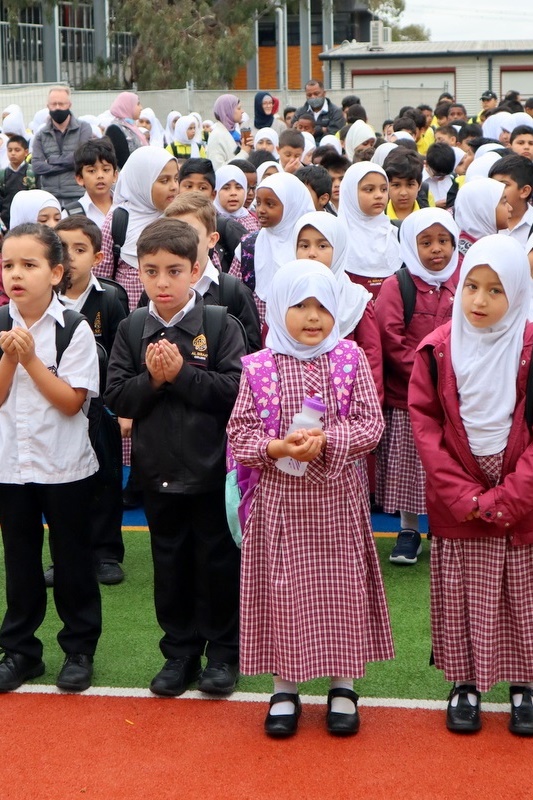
[467, 399]
[481, 209]
[428, 248]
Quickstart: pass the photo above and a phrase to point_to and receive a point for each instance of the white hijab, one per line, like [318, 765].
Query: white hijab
[374, 249]
[490, 147]
[353, 298]
[224, 175]
[26, 206]
[293, 283]
[520, 118]
[180, 133]
[14, 124]
[310, 143]
[157, 132]
[266, 165]
[273, 245]
[267, 133]
[331, 141]
[358, 133]
[494, 125]
[480, 167]
[382, 152]
[475, 207]
[172, 118]
[134, 193]
[486, 361]
[412, 226]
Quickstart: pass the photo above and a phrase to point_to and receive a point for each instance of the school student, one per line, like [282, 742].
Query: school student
[481, 209]
[231, 189]
[319, 183]
[404, 172]
[18, 176]
[170, 374]
[95, 165]
[307, 609]
[36, 206]
[469, 410]
[47, 464]
[522, 141]
[516, 173]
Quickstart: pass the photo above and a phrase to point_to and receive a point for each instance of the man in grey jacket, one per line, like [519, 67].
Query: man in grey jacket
[54, 146]
[328, 117]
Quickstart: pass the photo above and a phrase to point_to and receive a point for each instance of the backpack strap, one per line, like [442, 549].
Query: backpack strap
[228, 287]
[248, 259]
[119, 227]
[408, 293]
[73, 209]
[64, 333]
[136, 321]
[2, 180]
[263, 379]
[343, 364]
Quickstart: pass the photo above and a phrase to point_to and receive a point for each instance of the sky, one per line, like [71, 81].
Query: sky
[453, 20]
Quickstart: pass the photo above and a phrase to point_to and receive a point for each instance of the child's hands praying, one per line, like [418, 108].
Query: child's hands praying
[8, 346]
[24, 345]
[163, 361]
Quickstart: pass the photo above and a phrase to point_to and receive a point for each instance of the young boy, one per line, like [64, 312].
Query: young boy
[404, 171]
[516, 172]
[319, 184]
[305, 124]
[446, 134]
[179, 386]
[291, 149]
[522, 141]
[17, 177]
[95, 165]
[336, 166]
[105, 305]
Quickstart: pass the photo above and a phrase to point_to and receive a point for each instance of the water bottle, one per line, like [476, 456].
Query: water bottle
[313, 409]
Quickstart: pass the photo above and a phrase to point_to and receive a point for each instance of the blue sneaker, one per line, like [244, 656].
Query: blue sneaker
[407, 548]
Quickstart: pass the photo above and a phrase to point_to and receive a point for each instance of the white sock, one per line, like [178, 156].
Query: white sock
[472, 698]
[286, 707]
[409, 520]
[517, 698]
[342, 705]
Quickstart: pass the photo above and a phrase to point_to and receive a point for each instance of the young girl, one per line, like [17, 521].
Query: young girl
[467, 400]
[46, 462]
[312, 598]
[480, 210]
[280, 202]
[322, 237]
[146, 186]
[184, 143]
[374, 251]
[150, 123]
[35, 206]
[428, 248]
[231, 188]
[267, 139]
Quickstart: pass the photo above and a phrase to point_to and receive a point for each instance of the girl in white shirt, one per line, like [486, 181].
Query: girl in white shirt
[46, 464]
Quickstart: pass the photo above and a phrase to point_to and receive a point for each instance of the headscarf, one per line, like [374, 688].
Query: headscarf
[331, 141]
[157, 132]
[14, 124]
[39, 120]
[353, 298]
[382, 152]
[459, 154]
[123, 108]
[11, 108]
[412, 226]
[93, 122]
[262, 120]
[310, 143]
[496, 124]
[273, 244]
[520, 118]
[374, 249]
[224, 109]
[266, 165]
[490, 147]
[26, 206]
[475, 207]
[267, 133]
[486, 361]
[223, 175]
[134, 193]
[172, 118]
[180, 134]
[358, 133]
[294, 282]
[480, 167]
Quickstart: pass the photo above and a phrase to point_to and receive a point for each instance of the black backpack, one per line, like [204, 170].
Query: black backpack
[63, 334]
[119, 227]
[407, 292]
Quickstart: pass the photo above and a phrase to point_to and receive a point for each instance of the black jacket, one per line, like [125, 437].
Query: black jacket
[179, 430]
[332, 119]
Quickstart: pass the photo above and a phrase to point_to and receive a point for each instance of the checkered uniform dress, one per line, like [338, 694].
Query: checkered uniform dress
[312, 597]
[127, 276]
[235, 270]
[249, 222]
[482, 605]
[400, 476]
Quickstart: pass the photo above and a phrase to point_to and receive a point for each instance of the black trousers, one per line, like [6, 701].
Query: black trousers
[196, 575]
[76, 591]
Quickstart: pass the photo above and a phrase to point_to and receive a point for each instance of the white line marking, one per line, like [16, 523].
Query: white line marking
[256, 697]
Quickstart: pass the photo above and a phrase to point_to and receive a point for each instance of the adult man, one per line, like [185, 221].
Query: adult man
[328, 117]
[54, 146]
[489, 100]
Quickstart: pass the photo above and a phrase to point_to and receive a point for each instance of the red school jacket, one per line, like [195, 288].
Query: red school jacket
[455, 483]
[433, 308]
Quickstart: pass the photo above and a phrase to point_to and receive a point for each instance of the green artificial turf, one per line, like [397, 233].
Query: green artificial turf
[128, 653]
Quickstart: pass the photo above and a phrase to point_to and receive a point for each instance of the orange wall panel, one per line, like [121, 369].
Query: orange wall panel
[268, 68]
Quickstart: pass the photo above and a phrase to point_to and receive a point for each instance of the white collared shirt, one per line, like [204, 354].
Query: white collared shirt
[92, 211]
[209, 276]
[521, 231]
[38, 443]
[177, 317]
[77, 303]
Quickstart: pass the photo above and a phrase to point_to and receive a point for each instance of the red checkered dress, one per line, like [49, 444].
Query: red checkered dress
[312, 597]
[127, 276]
[400, 476]
[235, 270]
[249, 222]
[482, 605]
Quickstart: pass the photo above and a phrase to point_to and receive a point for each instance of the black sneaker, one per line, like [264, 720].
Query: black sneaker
[407, 548]
[176, 676]
[49, 576]
[521, 721]
[218, 677]
[464, 717]
[16, 669]
[76, 673]
[109, 573]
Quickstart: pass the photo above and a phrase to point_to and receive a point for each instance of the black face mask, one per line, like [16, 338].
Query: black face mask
[59, 115]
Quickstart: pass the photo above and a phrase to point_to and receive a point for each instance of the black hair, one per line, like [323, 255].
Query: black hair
[424, 107]
[365, 154]
[17, 139]
[457, 105]
[407, 144]
[442, 110]
[335, 162]
[355, 112]
[518, 168]
[94, 150]
[55, 251]
[511, 103]
[386, 122]
[447, 95]
[320, 151]
[405, 164]
[79, 222]
[404, 124]
[403, 110]
[171, 235]
[441, 158]
[343, 133]
[471, 129]
[520, 130]
[475, 143]
[529, 103]
[258, 157]
[314, 82]
[291, 138]
[316, 177]
[350, 100]
[288, 110]
[307, 117]
[245, 165]
[447, 130]
[198, 166]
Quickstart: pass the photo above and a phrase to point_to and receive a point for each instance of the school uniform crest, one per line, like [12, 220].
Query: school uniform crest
[200, 343]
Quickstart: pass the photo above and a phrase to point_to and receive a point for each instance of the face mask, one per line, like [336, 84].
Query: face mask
[316, 102]
[59, 115]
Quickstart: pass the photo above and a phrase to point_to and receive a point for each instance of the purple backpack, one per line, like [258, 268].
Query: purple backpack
[260, 371]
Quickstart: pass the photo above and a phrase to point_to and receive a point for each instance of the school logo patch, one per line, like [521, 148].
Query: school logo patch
[98, 325]
[200, 343]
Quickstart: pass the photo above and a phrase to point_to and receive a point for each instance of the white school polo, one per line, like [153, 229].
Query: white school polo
[38, 443]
